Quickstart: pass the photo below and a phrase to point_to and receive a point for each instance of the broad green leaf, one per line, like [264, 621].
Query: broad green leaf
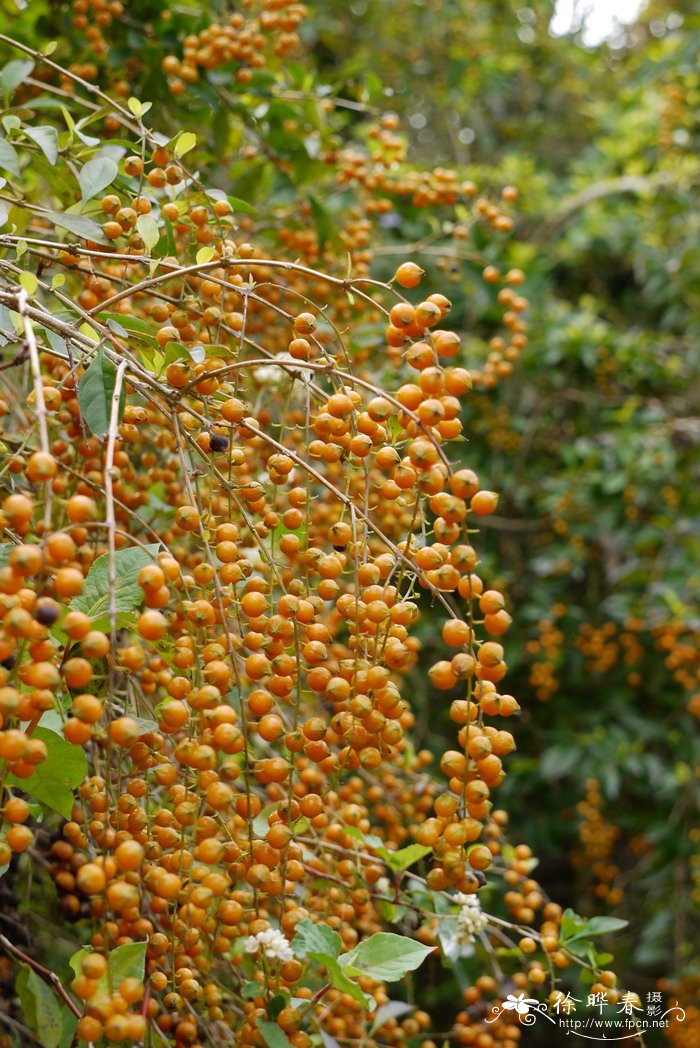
[94, 600]
[81, 225]
[315, 938]
[386, 956]
[184, 142]
[204, 255]
[340, 980]
[96, 175]
[9, 161]
[241, 205]
[571, 924]
[148, 231]
[12, 75]
[126, 962]
[600, 926]
[272, 1035]
[95, 393]
[251, 989]
[46, 137]
[398, 860]
[29, 281]
[123, 324]
[405, 857]
[55, 779]
[41, 1008]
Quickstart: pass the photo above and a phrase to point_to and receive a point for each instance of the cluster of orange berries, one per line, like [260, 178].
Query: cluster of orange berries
[91, 17]
[285, 590]
[244, 40]
[545, 650]
[598, 839]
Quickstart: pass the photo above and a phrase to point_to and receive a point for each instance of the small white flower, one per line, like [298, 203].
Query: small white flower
[273, 945]
[471, 920]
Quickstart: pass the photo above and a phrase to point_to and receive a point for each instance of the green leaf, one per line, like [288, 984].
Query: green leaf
[148, 231]
[251, 989]
[46, 137]
[386, 956]
[96, 175]
[604, 925]
[272, 1035]
[14, 73]
[571, 924]
[40, 1006]
[9, 161]
[204, 255]
[81, 225]
[405, 857]
[94, 600]
[95, 394]
[126, 962]
[315, 938]
[122, 324]
[55, 779]
[139, 109]
[340, 980]
[76, 959]
[241, 205]
[396, 861]
[184, 142]
[29, 281]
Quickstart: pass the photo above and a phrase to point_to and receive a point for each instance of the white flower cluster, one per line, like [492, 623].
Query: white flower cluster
[273, 944]
[471, 919]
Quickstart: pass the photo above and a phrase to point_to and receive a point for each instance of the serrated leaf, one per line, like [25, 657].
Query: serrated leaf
[9, 161]
[148, 231]
[55, 779]
[41, 1008]
[96, 175]
[272, 1035]
[386, 956]
[12, 75]
[94, 600]
[315, 938]
[95, 393]
[46, 137]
